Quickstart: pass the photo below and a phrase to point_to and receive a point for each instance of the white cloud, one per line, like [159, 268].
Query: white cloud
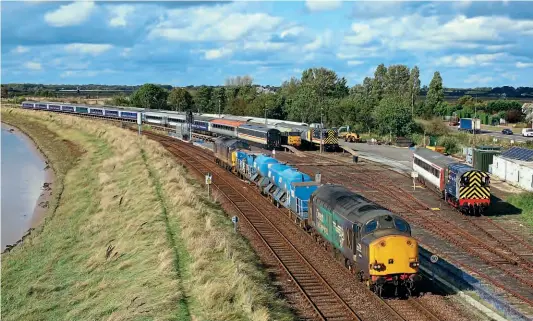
[21, 49]
[315, 5]
[217, 53]
[120, 14]
[213, 23]
[416, 32]
[322, 40]
[477, 79]
[465, 61]
[355, 62]
[363, 34]
[71, 14]
[32, 65]
[293, 31]
[264, 46]
[524, 64]
[499, 47]
[88, 48]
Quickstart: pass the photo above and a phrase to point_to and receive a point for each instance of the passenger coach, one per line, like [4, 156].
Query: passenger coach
[269, 138]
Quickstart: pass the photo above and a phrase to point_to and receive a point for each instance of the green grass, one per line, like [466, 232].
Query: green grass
[524, 201]
[136, 242]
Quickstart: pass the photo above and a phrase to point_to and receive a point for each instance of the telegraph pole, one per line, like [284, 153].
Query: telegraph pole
[321, 131]
[218, 107]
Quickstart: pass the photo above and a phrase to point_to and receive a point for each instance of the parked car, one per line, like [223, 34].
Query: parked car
[507, 131]
[527, 132]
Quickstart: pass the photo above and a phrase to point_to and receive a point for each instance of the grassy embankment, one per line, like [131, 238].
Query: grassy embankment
[132, 238]
[524, 202]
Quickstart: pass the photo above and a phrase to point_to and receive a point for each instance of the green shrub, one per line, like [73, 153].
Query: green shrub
[450, 144]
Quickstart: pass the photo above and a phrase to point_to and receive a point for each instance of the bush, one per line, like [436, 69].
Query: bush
[450, 144]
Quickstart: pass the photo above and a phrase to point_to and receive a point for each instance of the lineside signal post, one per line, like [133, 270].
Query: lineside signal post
[235, 220]
[139, 122]
[414, 175]
[208, 180]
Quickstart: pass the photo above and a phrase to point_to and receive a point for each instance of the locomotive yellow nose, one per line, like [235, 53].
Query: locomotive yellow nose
[394, 254]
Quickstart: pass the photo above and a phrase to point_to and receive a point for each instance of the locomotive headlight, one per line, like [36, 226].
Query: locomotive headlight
[414, 265]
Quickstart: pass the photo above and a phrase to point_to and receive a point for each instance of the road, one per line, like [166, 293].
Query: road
[517, 135]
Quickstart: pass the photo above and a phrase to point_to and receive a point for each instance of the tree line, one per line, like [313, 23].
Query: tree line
[386, 103]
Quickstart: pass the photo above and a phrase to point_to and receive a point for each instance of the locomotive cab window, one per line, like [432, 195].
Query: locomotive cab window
[401, 225]
[371, 226]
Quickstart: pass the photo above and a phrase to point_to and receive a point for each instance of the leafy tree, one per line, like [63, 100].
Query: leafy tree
[436, 127]
[150, 96]
[514, 116]
[180, 99]
[397, 81]
[378, 83]
[435, 95]
[364, 104]
[393, 116]
[120, 100]
[203, 99]
[503, 105]
[4, 92]
[414, 87]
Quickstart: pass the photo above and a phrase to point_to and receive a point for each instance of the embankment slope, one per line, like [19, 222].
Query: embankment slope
[133, 237]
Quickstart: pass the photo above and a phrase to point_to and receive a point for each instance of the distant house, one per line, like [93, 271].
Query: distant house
[264, 90]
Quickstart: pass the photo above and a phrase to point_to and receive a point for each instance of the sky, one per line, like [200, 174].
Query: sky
[471, 43]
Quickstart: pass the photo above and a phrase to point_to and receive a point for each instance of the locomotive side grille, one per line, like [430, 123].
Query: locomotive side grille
[475, 189]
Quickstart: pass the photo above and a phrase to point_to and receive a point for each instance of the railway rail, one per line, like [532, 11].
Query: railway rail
[481, 237]
[323, 299]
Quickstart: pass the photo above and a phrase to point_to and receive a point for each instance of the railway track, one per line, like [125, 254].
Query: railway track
[412, 310]
[322, 298]
[326, 302]
[508, 256]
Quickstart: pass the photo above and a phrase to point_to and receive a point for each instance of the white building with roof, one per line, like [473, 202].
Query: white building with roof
[515, 166]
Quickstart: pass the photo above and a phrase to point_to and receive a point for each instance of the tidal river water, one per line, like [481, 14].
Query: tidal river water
[22, 179]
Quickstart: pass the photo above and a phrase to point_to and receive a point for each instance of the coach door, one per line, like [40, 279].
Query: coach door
[273, 139]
